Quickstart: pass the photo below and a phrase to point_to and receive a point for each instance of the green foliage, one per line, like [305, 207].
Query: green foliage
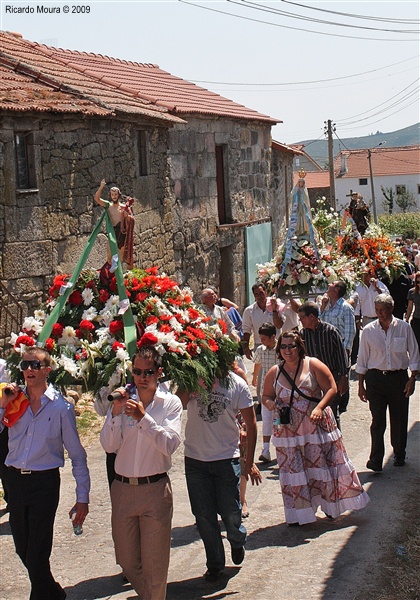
[388, 202]
[405, 200]
[406, 224]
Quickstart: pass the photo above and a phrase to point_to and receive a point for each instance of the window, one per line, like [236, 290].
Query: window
[418, 188]
[223, 207]
[25, 161]
[400, 189]
[142, 152]
[363, 181]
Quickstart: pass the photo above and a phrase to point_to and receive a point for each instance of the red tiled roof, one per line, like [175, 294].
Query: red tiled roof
[285, 148]
[21, 93]
[385, 161]
[149, 82]
[315, 179]
[26, 59]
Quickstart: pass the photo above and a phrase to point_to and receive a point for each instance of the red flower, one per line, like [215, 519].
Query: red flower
[58, 281]
[141, 296]
[152, 270]
[26, 340]
[103, 295]
[90, 284]
[147, 339]
[117, 345]
[113, 285]
[212, 345]
[197, 332]
[49, 344]
[164, 328]
[175, 302]
[57, 330]
[152, 319]
[192, 348]
[194, 314]
[116, 326]
[222, 325]
[76, 298]
[86, 325]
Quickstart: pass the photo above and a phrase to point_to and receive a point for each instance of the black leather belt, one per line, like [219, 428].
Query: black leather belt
[396, 372]
[140, 480]
[29, 472]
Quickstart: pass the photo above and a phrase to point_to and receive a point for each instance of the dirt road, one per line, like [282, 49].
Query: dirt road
[325, 560]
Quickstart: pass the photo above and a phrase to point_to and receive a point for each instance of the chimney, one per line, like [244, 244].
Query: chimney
[343, 168]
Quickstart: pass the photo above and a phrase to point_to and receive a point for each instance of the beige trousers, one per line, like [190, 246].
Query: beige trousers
[141, 530]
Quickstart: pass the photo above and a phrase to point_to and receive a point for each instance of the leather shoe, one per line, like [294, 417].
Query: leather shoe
[373, 466]
[212, 574]
[238, 555]
[399, 462]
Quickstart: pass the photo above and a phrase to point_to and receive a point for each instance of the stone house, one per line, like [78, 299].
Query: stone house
[202, 167]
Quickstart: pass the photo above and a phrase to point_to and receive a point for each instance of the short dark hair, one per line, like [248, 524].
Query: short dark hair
[148, 352]
[36, 350]
[297, 340]
[257, 285]
[309, 308]
[342, 288]
[267, 329]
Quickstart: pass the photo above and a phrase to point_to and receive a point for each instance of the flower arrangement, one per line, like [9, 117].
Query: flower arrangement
[87, 341]
[325, 220]
[374, 252]
[306, 273]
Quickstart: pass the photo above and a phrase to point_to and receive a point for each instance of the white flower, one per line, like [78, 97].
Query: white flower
[122, 354]
[290, 280]
[40, 315]
[69, 365]
[87, 296]
[106, 317]
[90, 314]
[68, 336]
[304, 277]
[32, 324]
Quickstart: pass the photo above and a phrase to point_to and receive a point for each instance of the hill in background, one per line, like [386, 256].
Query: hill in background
[318, 149]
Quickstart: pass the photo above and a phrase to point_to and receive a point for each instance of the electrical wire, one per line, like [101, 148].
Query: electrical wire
[307, 82]
[300, 29]
[288, 15]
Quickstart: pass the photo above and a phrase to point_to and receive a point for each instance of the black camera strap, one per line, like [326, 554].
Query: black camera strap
[293, 384]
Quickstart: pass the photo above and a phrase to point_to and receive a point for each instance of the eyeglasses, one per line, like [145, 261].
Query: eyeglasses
[35, 365]
[287, 346]
[145, 372]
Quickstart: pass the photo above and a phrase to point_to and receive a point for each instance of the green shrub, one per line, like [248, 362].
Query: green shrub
[406, 224]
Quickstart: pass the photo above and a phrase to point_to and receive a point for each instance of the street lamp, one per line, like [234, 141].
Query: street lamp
[375, 217]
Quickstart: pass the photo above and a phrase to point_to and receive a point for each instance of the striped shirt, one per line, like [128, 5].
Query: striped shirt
[325, 343]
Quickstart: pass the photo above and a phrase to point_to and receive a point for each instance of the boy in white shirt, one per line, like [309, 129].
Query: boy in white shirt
[264, 358]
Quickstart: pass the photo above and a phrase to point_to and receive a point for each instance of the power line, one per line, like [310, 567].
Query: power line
[300, 29]
[343, 14]
[305, 82]
[276, 11]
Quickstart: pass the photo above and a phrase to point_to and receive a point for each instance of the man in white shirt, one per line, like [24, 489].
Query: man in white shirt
[387, 348]
[263, 310]
[144, 432]
[216, 312]
[212, 466]
[364, 312]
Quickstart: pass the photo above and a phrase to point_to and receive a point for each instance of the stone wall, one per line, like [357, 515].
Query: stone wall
[43, 231]
[251, 190]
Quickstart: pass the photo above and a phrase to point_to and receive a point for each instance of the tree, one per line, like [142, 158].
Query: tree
[405, 200]
[388, 203]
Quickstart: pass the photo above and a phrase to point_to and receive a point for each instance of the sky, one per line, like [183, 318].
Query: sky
[359, 67]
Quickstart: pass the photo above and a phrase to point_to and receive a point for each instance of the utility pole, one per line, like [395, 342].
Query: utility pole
[329, 128]
[372, 188]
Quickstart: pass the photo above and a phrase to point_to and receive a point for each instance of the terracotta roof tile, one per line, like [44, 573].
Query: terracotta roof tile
[385, 161]
[151, 83]
[21, 93]
[315, 179]
[26, 58]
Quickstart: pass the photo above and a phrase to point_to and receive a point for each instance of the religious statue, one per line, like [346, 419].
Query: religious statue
[122, 220]
[301, 206]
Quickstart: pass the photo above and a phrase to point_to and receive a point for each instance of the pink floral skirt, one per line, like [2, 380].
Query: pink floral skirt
[314, 469]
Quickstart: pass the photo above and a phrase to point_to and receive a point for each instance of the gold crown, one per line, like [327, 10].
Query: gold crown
[302, 174]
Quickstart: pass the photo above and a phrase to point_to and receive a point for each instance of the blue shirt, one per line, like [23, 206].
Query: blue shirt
[37, 442]
[341, 315]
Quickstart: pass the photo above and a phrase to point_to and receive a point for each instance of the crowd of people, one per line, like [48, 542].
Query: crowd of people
[302, 355]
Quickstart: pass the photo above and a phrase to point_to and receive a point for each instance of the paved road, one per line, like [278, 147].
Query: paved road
[325, 560]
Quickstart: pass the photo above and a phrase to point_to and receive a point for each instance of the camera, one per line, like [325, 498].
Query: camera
[284, 414]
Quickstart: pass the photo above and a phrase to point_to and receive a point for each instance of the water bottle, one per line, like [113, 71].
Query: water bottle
[77, 529]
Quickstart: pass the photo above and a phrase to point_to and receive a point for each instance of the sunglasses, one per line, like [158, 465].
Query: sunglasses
[35, 365]
[287, 346]
[145, 372]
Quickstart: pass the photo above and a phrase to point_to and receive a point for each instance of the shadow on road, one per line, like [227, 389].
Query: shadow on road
[197, 589]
